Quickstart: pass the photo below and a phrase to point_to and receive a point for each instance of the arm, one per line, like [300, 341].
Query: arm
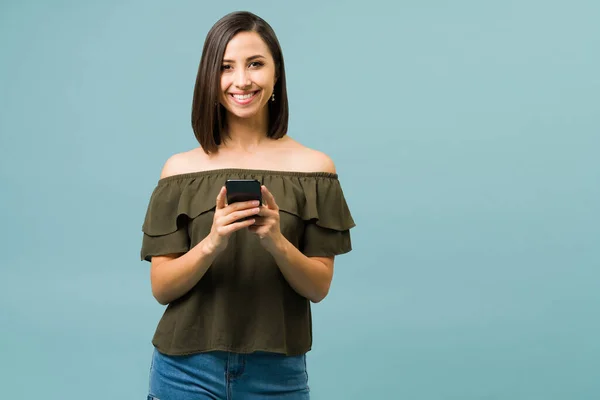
[309, 276]
[174, 275]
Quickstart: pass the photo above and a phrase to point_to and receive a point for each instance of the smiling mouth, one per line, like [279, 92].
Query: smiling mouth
[243, 98]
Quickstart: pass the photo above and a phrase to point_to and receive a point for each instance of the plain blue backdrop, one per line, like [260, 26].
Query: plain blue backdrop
[466, 136]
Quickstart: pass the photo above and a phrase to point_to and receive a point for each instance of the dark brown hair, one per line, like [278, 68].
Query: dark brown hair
[208, 115]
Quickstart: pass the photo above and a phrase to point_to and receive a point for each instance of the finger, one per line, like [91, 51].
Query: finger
[236, 226]
[266, 212]
[237, 215]
[240, 206]
[221, 198]
[270, 200]
[260, 221]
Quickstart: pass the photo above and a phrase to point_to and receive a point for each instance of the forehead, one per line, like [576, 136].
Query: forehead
[244, 45]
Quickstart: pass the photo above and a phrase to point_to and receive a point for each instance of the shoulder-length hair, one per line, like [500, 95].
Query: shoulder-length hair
[208, 115]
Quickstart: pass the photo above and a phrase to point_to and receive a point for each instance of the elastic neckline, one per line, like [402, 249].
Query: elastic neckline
[247, 171]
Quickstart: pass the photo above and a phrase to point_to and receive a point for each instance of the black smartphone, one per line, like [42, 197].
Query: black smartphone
[243, 190]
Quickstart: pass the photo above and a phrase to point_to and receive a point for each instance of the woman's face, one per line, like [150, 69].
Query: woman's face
[247, 75]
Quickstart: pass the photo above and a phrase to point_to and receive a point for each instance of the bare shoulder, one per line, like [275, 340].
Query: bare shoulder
[310, 160]
[319, 161]
[184, 162]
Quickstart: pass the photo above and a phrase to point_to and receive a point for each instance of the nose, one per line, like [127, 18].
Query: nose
[242, 78]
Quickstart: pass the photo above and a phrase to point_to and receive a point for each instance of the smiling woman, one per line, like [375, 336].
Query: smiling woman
[241, 56]
[248, 78]
[238, 279]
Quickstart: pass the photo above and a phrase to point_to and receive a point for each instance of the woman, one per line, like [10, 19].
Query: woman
[238, 320]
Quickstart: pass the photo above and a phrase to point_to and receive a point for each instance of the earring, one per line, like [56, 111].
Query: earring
[273, 97]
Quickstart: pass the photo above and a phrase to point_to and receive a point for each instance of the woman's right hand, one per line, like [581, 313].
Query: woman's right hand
[226, 217]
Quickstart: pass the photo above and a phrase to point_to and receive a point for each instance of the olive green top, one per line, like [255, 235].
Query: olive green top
[243, 303]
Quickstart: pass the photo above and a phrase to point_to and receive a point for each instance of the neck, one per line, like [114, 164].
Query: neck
[246, 133]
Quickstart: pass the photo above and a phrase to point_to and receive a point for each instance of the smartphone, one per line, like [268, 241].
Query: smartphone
[243, 190]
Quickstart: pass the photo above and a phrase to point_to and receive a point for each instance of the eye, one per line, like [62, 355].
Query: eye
[225, 67]
[256, 64]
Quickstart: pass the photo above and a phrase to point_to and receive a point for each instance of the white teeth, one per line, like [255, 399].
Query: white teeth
[243, 96]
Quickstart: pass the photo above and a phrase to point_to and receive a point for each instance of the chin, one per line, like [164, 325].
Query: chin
[244, 113]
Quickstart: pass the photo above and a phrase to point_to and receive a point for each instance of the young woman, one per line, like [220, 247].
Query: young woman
[238, 279]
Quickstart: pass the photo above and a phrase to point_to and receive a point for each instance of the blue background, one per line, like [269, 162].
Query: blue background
[466, 135]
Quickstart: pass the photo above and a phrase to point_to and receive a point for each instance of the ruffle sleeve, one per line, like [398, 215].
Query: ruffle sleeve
[319, 200]
[172, 204]
[316, 198]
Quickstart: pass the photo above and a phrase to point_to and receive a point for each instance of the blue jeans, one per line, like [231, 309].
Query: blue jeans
[228, 376]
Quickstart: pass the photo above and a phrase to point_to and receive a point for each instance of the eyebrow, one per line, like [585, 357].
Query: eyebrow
[248, 59]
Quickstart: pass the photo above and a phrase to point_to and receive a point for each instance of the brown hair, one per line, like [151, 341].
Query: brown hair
[208, 115]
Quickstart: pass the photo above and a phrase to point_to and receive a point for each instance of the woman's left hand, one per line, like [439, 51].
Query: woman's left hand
[267, 222]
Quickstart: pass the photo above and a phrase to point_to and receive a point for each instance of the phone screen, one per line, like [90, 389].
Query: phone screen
[243, 190]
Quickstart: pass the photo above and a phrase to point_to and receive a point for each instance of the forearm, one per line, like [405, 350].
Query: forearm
[174, 278]
[308, 277]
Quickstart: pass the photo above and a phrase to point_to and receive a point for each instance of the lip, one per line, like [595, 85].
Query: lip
[245, 101]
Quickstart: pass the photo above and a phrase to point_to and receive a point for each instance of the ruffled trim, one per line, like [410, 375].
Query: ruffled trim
[312, 196]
